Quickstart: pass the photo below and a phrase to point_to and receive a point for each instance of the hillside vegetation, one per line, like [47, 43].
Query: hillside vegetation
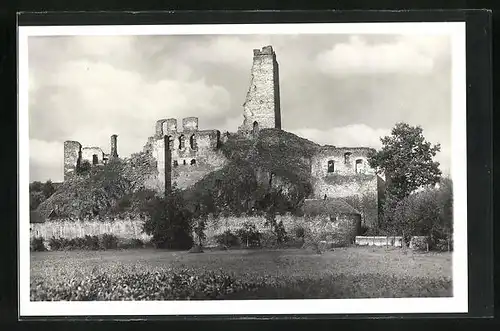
[276, 162]
[101, 191]
[275, 157]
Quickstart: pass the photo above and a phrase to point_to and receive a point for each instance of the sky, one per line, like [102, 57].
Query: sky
[342, 90]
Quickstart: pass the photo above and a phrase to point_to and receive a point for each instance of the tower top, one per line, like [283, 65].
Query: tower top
[266, 50]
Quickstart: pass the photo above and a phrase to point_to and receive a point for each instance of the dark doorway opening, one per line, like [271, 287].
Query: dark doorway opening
[331, 166]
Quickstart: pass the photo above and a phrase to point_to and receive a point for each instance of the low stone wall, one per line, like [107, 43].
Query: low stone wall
[127, 229]
[395, 241]
[342, 230]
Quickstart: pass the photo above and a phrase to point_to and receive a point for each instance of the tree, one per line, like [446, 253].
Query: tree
[426, 213]
[39, 192]
[169, 221]
[406, 159]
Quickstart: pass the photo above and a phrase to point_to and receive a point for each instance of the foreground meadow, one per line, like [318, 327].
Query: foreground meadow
[147, 274]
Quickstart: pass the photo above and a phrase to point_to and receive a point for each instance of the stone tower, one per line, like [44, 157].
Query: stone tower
[72, 157]
[114, 147]
[262, 103]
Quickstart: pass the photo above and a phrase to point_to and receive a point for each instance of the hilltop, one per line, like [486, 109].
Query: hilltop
[274, 159]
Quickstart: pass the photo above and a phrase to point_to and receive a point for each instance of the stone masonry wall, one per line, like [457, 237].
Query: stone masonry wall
[343, 229]
[262, 103]
[345, 173]
[194, 153]
[72, 154]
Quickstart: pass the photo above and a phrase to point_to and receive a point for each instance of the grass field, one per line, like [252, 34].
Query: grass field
[353, 272]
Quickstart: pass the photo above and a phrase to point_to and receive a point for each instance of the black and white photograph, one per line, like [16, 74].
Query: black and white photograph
[243, 169]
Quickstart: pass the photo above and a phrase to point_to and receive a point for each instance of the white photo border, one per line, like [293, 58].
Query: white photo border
[456, 304]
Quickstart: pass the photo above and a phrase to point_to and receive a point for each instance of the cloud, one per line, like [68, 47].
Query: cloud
[228, 50]
[46, 160]
[405, 55]
[89, 98]
[345, 136]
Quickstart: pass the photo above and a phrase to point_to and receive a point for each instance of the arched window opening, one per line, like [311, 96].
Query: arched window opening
[176, 163]
[184, 162]
[331, 166]
[193, 162]
[359, 165]
[181, 142]
[192, 141]
[95, 159]
[347, 157]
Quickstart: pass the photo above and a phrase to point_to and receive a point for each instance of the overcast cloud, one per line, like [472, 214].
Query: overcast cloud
[341, 90]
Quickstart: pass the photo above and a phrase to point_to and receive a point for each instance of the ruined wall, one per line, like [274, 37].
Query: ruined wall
[345, 173]
[75, 154]
[194, 153]
[72, 155]
[262, 103]
[341, 161]
[88, 155]
[341, 230]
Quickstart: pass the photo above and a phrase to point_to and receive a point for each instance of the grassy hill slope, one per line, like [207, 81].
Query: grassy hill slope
[245, 179]
[233, 188]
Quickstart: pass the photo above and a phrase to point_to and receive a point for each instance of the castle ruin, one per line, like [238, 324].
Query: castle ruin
[185, 155]
[262, 104]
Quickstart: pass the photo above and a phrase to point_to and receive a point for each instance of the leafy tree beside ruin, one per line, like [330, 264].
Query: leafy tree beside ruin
[406, 160]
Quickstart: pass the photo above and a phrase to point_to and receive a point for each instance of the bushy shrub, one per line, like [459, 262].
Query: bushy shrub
[299, 232]
[169, 222]
[130, 243]
[425, 213]
[442, 245]
[227, 239]
[268, 239]
[55, 244]
[108, 241]
[249, 235]
[37, 245]
[104, 242]
[91, 242]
